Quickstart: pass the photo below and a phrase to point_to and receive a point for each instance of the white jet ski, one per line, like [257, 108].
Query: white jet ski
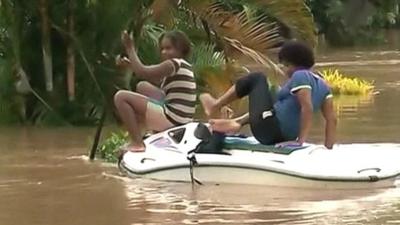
[175, 155]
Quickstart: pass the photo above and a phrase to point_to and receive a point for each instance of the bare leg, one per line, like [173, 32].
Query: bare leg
[266, 130]
[132, 108]
[227, 126]
[147, 89]
[209, 102]
[228, 97]
[230, 126]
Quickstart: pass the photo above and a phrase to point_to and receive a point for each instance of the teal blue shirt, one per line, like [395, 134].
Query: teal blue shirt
[287, 106]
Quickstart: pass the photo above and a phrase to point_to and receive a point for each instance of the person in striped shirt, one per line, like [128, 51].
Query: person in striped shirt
[286, 121]
[166, 98]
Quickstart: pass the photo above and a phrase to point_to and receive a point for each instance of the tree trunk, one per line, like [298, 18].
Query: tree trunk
[46, 45]
[71, 52]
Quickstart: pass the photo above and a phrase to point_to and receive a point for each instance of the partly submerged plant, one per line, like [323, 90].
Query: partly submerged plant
[343, 85]
[110, 147]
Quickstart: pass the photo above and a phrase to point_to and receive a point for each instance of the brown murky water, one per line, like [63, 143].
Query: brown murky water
[46, 180]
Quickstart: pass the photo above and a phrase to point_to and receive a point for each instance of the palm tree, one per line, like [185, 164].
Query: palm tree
[11, 66]
[71, 51]
[46, 44]
[227, 34]
[224, 17]
[244, 33]
[241, 28]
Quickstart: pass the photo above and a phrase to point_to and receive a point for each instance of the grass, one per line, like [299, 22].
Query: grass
[344, 85]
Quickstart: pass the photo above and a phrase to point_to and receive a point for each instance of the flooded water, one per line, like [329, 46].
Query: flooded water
[46, 180]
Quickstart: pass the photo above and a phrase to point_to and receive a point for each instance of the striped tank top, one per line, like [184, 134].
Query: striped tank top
[180, 93]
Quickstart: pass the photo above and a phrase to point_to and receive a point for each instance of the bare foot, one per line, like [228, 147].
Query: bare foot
[226, 113]
[211, 110]
[134, 148]
[228, 126]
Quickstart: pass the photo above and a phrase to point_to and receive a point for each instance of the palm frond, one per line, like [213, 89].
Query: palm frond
[217, 81]
[204, 55]
[252, 32]
[151, 32]
[250, 10]
[192, 25]
[162, 11]
[293, 13]
[236, 50]
[239, 33]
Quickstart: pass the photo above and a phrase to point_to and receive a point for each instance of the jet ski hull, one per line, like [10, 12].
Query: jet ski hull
[351, 166]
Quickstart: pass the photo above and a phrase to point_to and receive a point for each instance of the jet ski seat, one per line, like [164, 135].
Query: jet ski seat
[251, 144]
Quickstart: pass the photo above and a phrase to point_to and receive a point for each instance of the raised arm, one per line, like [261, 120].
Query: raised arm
[330, 122]
[148, 72]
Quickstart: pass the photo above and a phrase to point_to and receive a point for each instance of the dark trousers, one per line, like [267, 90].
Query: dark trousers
[263, 122]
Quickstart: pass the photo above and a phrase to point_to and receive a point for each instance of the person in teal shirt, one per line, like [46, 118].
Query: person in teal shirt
[287, 120]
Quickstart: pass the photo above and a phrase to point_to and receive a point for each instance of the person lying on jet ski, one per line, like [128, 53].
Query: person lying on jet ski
[166, 98]
[286, 121]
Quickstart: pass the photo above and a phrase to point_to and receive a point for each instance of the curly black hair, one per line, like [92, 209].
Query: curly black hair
[297, 53]
[179, 40]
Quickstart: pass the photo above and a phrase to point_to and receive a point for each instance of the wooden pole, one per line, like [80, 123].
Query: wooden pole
[97, 135]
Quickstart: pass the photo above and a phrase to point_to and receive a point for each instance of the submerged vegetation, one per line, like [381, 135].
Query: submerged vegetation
[110, 147]
[345, 85]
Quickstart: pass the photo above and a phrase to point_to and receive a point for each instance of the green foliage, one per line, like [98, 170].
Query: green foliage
[95, 40]
[110, 147]
[9, 107]
[294, 15]
[204, 55]
[221, 31]
[355, 22]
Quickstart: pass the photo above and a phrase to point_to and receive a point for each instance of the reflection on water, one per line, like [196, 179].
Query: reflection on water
[349, 105]
[242, 204]
[45, 180]
[259, 205]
